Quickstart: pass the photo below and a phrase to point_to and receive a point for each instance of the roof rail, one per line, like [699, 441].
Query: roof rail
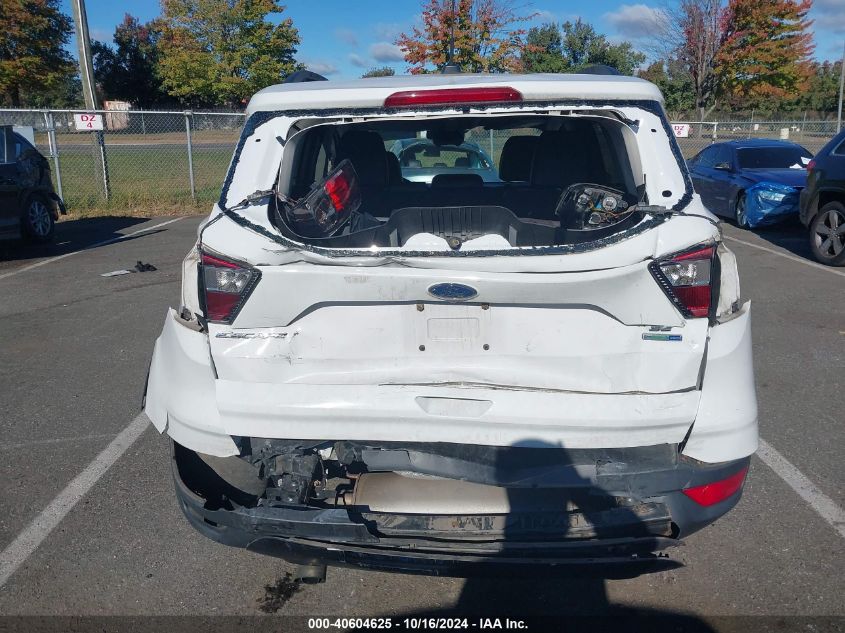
[303, 75]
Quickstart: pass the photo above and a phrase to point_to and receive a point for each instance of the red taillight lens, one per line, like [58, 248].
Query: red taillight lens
[339, 190]
[442, 96]
[328, 207]
[226, 286]
[687, 280]
[712, 493]
[811, 165]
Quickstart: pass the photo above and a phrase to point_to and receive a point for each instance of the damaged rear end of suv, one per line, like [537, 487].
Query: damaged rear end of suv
[537, 354]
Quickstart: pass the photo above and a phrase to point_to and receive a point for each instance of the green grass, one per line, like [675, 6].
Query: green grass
[151, 181]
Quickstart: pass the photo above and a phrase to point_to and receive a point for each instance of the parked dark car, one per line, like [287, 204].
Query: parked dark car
[29, 207]
[823, 202]
[756, 182]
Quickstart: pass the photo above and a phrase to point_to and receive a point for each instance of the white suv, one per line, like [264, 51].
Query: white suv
[551, 366]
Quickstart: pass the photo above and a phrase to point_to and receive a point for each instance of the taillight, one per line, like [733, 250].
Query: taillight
[329, 206]
[811, 165]
[444, 96]
[712, 493]
[686, 279]
[226, 286]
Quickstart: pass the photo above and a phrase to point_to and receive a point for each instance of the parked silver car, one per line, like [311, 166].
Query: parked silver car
[421, 159]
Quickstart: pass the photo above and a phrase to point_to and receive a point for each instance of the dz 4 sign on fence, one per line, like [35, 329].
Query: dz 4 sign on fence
[88, 122]
[681, 130]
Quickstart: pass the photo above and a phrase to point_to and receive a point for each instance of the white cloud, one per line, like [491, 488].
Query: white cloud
[357, 60]
[387, 31]
[545, 16]
[829, 16]
[386, 52]
[347, 36]
[322, 68]
[635, 20]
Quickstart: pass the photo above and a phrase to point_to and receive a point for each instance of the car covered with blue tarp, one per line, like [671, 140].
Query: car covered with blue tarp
[757, 182]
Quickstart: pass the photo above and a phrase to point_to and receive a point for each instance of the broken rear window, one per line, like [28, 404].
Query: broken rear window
[534, 180]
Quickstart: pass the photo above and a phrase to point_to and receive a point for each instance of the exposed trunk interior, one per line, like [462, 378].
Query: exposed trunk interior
[527, 180]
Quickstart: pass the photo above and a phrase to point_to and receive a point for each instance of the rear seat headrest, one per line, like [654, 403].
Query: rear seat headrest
[394, 170]
[366, 151]
[442, 181]
[517, 155]
[560, 160]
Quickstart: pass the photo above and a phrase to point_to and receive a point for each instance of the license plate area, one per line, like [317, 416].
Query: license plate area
[453, 329]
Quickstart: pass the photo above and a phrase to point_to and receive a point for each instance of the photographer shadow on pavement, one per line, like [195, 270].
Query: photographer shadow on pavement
[540, 575]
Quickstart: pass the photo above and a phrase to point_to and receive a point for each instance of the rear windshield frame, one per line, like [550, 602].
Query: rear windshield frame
[261, 117]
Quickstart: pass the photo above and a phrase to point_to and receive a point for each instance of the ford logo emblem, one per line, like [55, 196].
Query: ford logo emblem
[453, 292]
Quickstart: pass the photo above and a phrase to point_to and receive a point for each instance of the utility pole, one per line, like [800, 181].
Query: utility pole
[89, 91]
[841, 87]
[83, 44]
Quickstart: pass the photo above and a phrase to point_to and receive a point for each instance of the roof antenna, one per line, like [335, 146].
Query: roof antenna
[451, 68]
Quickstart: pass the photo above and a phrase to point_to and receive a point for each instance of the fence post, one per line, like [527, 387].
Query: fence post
[100, 139]
[491, 145]
[188, 115]
[54, 150]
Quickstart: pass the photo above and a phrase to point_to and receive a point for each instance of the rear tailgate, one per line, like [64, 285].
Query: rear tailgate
[581, 358]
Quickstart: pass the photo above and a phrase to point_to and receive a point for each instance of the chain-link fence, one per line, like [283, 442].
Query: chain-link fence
[693, 136]
[151, 159]
[139, 158]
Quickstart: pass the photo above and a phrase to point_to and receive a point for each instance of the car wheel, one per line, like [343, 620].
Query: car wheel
[739, 212]
[38, 222]
[827, 234]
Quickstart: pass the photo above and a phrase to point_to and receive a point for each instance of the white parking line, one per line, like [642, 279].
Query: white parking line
[34, 534]
[82, 250]
[820, 502]
[794, 258]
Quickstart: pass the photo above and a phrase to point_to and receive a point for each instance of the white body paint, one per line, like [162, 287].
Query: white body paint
[334, 346]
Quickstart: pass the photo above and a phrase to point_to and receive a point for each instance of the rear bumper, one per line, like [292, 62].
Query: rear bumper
[186, 400]
[658, 515]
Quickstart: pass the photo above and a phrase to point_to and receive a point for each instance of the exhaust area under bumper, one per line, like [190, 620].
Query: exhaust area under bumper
[384, 522]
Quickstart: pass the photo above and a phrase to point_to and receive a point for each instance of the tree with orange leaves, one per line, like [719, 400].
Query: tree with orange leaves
[765, 52]
[485, 37]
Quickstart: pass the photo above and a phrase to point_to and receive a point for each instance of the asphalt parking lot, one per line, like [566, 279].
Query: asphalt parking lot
[74, 350]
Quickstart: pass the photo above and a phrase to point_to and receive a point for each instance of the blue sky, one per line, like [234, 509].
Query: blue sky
[343, 38]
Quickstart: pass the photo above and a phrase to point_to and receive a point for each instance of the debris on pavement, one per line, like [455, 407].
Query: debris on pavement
[140, 267]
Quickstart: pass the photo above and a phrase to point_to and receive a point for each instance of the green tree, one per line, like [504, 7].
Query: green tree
[544, 50]
[822, 94]
[33, 61]
[219, 53]
[383, 71]
[483, 32]
[765, 55]
[129, 70]
[574, 46]
[675, 84]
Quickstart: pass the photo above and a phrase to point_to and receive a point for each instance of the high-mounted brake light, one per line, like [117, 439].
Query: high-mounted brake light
[686, 279]
[712, 493]
[226, 286]
[445, 96]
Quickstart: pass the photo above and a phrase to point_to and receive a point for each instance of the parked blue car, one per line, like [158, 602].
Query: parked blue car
[757, 182]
